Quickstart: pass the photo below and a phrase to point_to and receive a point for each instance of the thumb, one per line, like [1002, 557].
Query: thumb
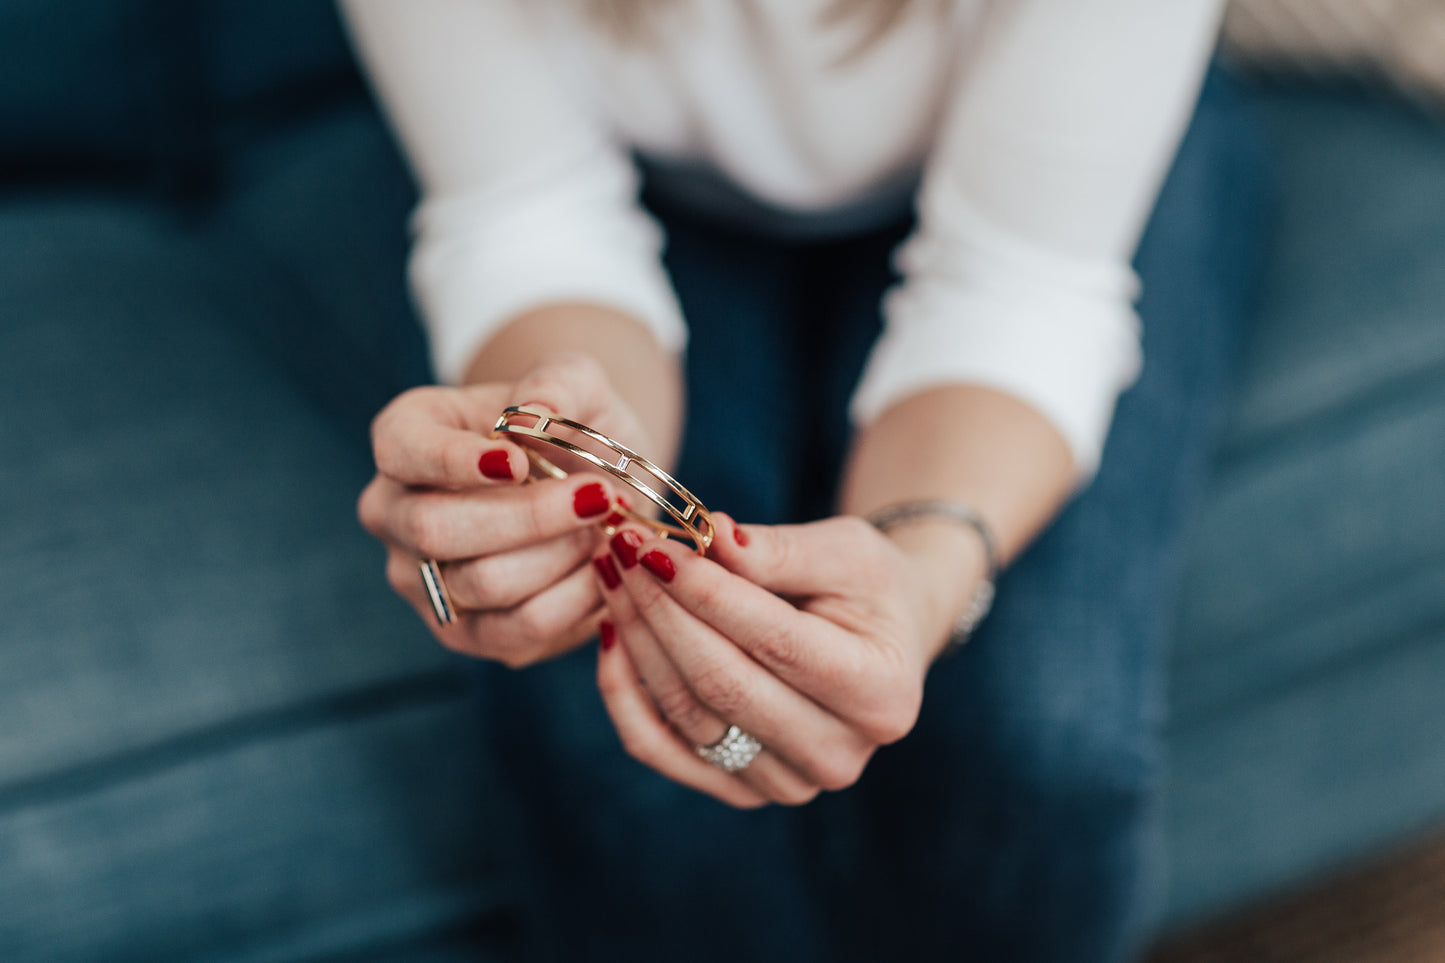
[827, 557]
[572, 384]
[431, 437]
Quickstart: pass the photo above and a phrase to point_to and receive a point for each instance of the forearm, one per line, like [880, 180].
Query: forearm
[968, 444]
[641, 371]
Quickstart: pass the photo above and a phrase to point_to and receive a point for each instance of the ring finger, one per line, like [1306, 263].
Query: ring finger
[691, 721]
[647, 737]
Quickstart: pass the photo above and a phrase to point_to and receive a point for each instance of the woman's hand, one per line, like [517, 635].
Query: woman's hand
[815, 639]
[514, 557]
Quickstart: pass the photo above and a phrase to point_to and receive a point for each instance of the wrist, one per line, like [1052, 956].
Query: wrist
[948, 563]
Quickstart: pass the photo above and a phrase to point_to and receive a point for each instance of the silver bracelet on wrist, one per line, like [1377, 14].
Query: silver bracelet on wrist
[894, 515]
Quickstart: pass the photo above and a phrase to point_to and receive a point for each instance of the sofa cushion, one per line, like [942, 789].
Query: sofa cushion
[353, 837]
[1320, 775]
[293, 198]
[218, 729]
[153, 90]
[274, 59]
[96, 85]
[1308, 727]
[1324, 537]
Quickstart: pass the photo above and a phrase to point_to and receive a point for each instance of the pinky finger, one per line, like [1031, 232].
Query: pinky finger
[651, 741]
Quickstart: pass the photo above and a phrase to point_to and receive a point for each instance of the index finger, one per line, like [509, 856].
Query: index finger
[434, 437]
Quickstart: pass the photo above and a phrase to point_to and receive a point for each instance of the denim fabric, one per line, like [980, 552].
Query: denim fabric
[1019, 821]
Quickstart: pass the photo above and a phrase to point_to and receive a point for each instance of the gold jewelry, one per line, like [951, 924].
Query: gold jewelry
[436, 591]
[693, 521]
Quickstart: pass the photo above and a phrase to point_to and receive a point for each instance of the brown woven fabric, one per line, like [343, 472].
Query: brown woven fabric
[1390, 912]
[1402, 41]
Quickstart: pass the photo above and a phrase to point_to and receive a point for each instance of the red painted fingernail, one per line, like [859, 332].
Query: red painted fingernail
[740, 536]
[625, 545]
[495, 465]
[590, 499]
[607, 634]
[615, 519]
[622, 500]
[659, 564]
[608, 571]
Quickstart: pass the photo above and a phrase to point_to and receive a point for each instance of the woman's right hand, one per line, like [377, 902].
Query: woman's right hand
[515, 557]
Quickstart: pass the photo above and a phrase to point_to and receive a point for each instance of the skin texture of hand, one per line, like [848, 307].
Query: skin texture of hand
[515, 557]
[808, 637]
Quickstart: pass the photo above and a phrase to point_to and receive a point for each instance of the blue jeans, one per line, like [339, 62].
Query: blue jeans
[1019, 820]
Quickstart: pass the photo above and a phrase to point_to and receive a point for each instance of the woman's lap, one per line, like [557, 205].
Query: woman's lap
[1018, 820]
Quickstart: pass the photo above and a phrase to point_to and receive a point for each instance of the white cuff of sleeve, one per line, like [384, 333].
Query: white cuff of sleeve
[1060, 337]
[479, 261]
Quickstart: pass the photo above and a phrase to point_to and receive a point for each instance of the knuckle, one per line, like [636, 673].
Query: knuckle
[840, 768]
[784, 545]
[799, 795]
[680, 707]
[888, 725]
[385, 449]
[640, 745]
[707, 596]
[459, 644]
[546, 388]
[893, 708]
[723, 692]
[589, 373]
[872, 562]
[385, 444]
[855, 528]
[489, 636]
[551, 383]
[780, 648]
[455, 639]
[423, 529]
[576, 367]
[517, 657]
[496, 639]
[369, 510]
[381, 423]
[877, 568]
[610, 686]
[534, 624]
[399, 572]
[899, 718]
[485, 583]
[378, 425]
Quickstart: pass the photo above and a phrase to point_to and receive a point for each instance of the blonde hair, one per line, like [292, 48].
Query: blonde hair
[628, 19]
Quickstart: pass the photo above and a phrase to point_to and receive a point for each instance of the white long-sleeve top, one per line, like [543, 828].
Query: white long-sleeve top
[1042, 130]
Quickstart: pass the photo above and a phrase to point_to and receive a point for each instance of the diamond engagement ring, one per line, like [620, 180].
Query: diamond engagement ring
[733, 752]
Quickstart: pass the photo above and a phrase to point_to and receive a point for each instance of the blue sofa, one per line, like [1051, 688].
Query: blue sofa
[221, 737]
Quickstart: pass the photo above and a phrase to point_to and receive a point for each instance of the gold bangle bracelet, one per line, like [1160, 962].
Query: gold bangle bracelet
[693, 521]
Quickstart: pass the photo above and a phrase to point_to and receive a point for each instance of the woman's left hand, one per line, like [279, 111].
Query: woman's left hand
[814, 639]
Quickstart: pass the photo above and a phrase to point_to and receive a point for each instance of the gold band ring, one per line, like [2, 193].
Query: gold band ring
[436, 591]
[692, 520]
